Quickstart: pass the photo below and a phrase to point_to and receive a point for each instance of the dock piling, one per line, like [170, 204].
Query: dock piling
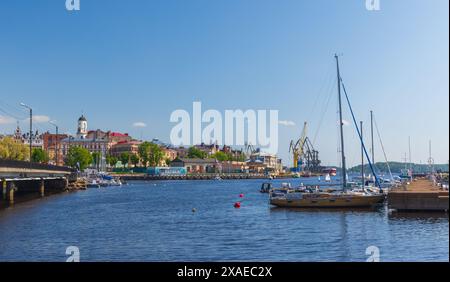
[4, 186]
[12, 189]
[42, 188]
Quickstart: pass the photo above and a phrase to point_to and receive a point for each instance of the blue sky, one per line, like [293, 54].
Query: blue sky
[121, 62]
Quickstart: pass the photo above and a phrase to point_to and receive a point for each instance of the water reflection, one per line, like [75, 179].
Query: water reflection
[398, 215]
[380, 208]
[153, 221]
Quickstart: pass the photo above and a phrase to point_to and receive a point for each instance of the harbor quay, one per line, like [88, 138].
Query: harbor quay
[421, 194]
[199, 176]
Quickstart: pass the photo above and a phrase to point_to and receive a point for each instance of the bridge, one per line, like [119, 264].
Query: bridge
[23, 180]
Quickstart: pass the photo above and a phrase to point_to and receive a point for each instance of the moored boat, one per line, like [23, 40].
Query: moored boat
[92, 184]
[265, 187]
[330, 171]
[299, 199]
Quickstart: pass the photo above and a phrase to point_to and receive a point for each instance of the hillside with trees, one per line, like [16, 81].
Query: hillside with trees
[396, 167]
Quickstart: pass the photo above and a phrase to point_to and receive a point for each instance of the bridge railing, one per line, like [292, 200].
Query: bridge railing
[31, 165]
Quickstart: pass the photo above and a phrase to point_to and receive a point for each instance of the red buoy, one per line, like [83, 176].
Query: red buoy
[237, 205]
[241, 195]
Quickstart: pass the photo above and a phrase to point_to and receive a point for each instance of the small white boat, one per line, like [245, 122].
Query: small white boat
[114, 182]
[93, 184]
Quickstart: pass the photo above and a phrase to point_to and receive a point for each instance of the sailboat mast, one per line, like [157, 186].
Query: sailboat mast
[363, 180]
[409, 152]
[371, 134]
[341, 126]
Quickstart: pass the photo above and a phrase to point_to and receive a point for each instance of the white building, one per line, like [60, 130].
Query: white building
[82, 128]
[93, 145]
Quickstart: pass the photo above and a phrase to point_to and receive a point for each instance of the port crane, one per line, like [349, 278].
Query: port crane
[304, 155]
[311, 157]
[296, 148]
[249, 149]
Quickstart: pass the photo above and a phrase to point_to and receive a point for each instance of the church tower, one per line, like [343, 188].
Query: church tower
[82, 127]
[18, 133]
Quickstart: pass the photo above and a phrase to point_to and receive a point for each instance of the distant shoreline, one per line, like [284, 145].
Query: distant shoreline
[213, 176]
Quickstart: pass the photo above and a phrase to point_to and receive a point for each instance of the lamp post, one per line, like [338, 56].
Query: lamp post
[56, 143]
[31, 126]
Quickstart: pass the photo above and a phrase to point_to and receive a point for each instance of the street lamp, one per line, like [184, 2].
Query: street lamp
[56, 144]
[31, 126]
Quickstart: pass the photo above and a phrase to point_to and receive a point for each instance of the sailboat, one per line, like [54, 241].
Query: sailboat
[346, 198]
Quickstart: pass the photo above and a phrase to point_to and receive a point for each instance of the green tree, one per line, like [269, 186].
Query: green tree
[96, 159]
[108, 158]
[221, 156]
[112, 161]
[11, 149]
[150, 154]
[144, 152]
[196, 153]
[239, 157]
[134, 159]
[124, 158]
[156, 155]
[39, 156]
[78, 157]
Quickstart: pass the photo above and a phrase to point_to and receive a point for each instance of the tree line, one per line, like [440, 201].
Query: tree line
[149, 154]
[397, 167]
[195, 153]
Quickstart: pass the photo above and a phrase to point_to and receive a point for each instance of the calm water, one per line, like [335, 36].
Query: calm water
[153, 221]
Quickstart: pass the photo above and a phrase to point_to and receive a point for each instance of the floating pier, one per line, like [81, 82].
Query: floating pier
[420, 195]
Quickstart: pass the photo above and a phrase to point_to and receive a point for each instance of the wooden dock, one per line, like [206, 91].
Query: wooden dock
[420, 195]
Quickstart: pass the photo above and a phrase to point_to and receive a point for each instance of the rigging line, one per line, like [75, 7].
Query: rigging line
[370, 150]
[326, 82]
[359, 134]
[324, 111]
[338, 140]
[382, 148]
